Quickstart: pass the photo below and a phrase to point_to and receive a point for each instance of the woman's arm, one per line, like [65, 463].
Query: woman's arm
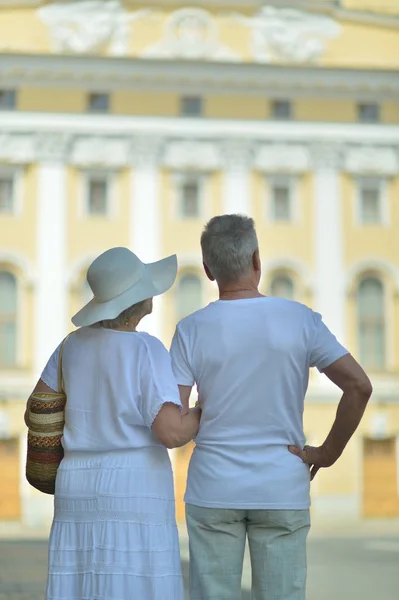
[185, 393]
[41, 388]
[174, 428]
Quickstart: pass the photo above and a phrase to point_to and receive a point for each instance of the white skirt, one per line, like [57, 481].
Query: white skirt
[114, 534]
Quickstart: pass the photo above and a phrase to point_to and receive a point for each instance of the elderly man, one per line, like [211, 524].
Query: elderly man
[250, 472]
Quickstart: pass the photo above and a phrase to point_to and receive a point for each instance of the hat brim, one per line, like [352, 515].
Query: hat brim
[157, 278]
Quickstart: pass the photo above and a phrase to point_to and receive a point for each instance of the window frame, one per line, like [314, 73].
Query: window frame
[98, 111]
[4, 268]
[282, 275]
[188, 273]
[180, 178]
[363, 105]
[291, 181]
[16, 174]
[111, 200]
[185, 100]
[281, 102]
[383, 202]
[385, 362]
[13, 95]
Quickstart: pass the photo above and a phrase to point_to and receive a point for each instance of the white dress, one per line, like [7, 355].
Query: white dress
[114, 534]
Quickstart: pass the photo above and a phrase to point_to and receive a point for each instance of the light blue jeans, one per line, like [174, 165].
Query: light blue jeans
[277, 544]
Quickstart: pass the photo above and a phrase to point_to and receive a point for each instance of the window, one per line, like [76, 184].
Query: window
[7, 99]
[190, 198]
[371, 324]
[368, 112]
[281, 200]
[97, 195]
[370, 200]
[191, 106]
[282, 286]
[98, 103]
[189, 295]
[8, 319]
[6, 194]
[282, 110]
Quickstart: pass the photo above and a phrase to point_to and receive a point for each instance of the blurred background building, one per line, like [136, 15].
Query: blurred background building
[132, 123]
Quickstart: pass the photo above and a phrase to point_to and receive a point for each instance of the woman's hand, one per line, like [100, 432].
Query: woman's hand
[174, 428]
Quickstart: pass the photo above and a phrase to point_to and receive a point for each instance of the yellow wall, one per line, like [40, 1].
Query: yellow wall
[357, 241]
[376, 6]
[93, 235]
[145, 103]
[281, 240]
[236, 107]
[125, 102]
[20, 29]
[16, 231]
[365, 46]
[320, 109]
[52, 100]
[390, 112]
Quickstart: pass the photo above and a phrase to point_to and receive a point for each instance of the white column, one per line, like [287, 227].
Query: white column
[146, 216]
[329, 251]
[51, 292]
[236, 197]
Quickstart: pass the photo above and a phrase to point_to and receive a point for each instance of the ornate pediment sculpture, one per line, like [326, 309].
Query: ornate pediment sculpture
[190, 33]
[89, 26]
[287, 35]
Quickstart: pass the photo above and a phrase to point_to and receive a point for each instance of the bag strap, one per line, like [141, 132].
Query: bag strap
[60, 378]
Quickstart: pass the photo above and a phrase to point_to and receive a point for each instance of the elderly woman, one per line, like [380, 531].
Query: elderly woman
[114, 534]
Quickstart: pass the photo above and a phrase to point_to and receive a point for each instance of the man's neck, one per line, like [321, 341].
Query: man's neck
[239, 291]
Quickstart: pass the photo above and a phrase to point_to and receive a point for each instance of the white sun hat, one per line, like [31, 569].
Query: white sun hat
[118, 279]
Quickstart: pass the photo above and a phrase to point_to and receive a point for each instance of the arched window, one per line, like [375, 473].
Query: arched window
[189, 295]
[282, 286]
[371, 323]
[8, 319]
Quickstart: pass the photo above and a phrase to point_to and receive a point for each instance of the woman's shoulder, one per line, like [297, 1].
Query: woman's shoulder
[151, 343]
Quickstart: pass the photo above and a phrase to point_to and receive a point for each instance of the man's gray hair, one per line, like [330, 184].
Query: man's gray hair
[228, 243]
[135, 310]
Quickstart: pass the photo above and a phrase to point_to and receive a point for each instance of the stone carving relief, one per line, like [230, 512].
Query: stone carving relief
[372, 160]
[190, 33]
[274, 158]
[145, 150]
[192, 155]
[16, 148]
[98, 151]
[327, 154]
[288, 35]
[52, 146]
[89, 26]
[237, 154]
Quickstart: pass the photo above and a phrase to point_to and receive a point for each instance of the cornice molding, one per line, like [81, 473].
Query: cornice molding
[17, 70]
[207, 146]
[24, 124]
[18, 3]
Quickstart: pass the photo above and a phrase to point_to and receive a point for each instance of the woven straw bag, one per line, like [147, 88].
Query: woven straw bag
[46, 419]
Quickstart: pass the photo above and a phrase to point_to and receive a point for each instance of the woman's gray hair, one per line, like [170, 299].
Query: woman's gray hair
[228, 243]
[136, 310]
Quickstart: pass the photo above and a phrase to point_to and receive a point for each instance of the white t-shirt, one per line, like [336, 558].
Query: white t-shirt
[116, 382]
[250, 360]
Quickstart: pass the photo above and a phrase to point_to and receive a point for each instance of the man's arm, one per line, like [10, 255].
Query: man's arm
[348, 375]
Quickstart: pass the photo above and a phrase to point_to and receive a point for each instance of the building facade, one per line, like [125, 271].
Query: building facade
[123, 124]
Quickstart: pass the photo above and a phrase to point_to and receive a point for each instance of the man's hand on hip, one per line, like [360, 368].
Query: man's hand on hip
[315, 457]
